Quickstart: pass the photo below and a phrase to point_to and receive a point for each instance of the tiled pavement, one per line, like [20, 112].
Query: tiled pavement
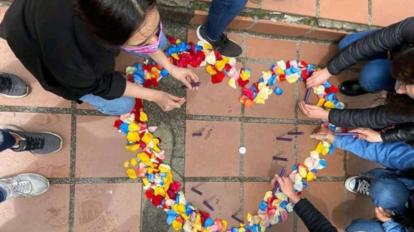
[89, 190]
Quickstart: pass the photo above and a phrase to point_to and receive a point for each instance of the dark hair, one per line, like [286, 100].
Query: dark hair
[114, 21]
[402, 67]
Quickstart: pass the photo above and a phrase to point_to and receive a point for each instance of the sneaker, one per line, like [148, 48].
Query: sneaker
[36, 142]
[225, 46]
[358, 184]
[13, 86]
[24, 185]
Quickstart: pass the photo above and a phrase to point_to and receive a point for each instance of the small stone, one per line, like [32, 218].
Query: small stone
[242, 150]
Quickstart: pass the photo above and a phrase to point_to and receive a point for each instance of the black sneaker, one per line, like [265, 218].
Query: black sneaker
[13, 86]
[36, 142]
[352, 88]
[225, 46]
[358, 184]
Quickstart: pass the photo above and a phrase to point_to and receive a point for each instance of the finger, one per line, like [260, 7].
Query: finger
[187, 83]
[174, 105]
[175, 98]
[194, 77]
[309, 81]
[302, 107]
[358, 131]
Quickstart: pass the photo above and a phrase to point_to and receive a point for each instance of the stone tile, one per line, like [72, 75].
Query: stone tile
[358, 207]
[203, 155]
[276, 106]
[213, 99]
[328, 198]
[386, 12]
[38, 96]
[52, 165]
[305, 145]
[100, 150]
[345, 10]
[48, 212]
[318, 54]
[265, 48]
[260, 141]
[327, 34]
[279, 28]
[253, 194]
[356, 165]
[107, 207]
[224, 198]
[301, 7]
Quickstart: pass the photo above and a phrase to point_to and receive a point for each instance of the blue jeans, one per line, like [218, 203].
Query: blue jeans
[6, 140]
[221, 13]
[376, 74]
[122, 105]
[3, 194]
[381, 198]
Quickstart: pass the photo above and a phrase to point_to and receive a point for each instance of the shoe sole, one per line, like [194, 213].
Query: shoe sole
[17, 97]
[205, 41]
[13, 127]
[30, 173]
[347, 183]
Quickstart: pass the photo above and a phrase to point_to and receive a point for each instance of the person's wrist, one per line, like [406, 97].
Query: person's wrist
[154, 96]
[169, 66]
[325, 115]
[327, 72]
[294, 198]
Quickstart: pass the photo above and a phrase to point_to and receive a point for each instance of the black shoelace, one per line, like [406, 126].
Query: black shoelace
[5, 83]
[33, 143]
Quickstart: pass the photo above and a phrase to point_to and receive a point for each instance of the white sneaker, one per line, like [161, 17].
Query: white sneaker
[24, 185]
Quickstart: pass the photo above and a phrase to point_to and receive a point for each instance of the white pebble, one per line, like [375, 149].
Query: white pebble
[242, 150]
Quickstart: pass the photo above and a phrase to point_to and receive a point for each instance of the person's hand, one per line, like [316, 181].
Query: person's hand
[286, 185]
[167, 101]
[382, 215]
[185, 75]
[368, 134]
[318, 77]
[324, 135]
[314, 112]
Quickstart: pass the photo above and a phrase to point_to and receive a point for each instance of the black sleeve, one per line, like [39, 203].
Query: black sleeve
[376, 118]
[73, 71]
[313, 219]
[378, 42]
[399, 134]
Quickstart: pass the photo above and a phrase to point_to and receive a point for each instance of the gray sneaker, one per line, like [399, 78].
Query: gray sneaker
[358, 184]
[24, 185]
[12, 86]
[36, 142]
[225, 46]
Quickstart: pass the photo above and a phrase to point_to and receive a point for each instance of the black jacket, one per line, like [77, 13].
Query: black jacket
[382, 41]
[312, 218]
[388, 39]
[52, 42]
[377, 118]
